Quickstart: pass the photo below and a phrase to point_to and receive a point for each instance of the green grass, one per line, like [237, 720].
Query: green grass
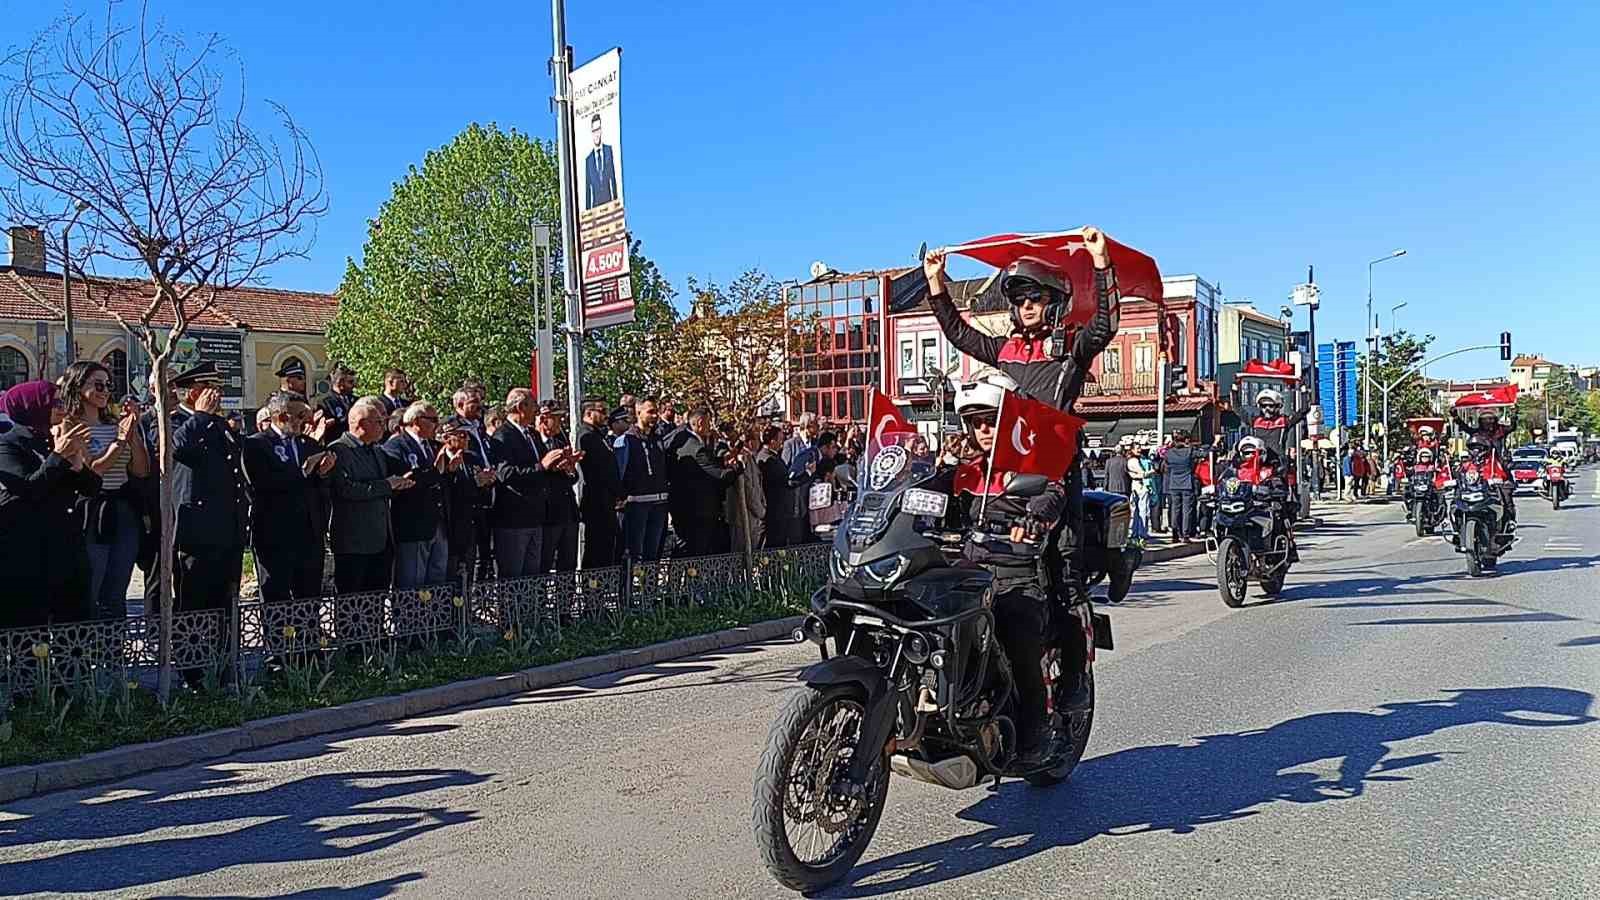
[66, 725]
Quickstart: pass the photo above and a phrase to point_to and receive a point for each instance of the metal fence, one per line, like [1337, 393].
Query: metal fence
[537, 609]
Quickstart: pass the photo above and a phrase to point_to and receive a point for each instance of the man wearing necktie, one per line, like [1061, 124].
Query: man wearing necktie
[288, 509]
[468, 403]
[420, 516]
[522, 489]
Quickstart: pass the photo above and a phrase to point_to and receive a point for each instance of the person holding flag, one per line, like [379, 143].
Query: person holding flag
[1489, 430]
[1008, 515]
[1046, 355]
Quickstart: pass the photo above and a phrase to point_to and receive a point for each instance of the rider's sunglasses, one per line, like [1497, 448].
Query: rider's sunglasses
[1028, 293]
[981, 422]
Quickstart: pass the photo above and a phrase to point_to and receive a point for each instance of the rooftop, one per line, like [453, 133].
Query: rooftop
[33, 296]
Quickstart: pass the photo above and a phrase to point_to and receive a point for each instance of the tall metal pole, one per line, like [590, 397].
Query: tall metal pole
[1371, 327]
[1316, 387]
[561, 68]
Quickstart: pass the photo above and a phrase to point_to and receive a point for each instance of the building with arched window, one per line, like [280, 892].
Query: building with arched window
[248, 332]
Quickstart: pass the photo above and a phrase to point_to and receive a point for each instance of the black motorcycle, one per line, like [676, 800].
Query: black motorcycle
[1477, 520]
[1425, 506]
[916, 683]
[1252, 536]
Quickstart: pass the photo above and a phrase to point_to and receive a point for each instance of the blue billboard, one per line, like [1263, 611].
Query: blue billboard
[1336, 383]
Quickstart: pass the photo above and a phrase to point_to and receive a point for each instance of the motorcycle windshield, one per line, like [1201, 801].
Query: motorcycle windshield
[891, 468]
[898, 461]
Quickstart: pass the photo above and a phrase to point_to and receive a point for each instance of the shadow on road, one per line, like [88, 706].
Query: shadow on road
[1386, 603]
[1591, 641]
[1513, 566]
[1178, 788]
[1528, 618]
[370, 891]
[632, 681]
[183, 832]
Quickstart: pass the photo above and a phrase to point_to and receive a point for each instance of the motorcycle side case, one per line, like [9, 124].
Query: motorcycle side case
[1108, 519]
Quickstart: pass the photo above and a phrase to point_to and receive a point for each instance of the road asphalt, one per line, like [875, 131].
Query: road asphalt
[1388, 728]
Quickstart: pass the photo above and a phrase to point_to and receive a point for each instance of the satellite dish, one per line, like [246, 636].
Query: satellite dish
[819, 269]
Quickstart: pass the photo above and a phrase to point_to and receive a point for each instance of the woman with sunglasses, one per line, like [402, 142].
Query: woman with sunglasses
[116, 452]
[44, 474]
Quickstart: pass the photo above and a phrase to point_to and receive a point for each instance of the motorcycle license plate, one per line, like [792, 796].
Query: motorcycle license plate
[1102, 632]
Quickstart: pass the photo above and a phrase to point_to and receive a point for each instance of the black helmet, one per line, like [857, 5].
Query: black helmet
[1029, 277]
[1479, 447]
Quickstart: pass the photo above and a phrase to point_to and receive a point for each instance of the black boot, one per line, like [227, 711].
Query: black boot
[1033, 746]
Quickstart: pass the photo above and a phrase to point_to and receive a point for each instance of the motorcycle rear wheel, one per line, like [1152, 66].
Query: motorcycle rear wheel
[804, 751]
[1420, 517]
[1120, 579]
[1078, 726]
[1233, 572]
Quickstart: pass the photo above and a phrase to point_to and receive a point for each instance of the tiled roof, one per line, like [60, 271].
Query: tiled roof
[1530, 361]
[37, 295]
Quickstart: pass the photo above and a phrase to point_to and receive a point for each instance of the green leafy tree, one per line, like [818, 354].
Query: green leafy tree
[1566, 402]
[446, 283]
[1401, 353]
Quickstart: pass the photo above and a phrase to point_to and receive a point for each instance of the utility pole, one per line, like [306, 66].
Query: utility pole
[561, 69]
[1370, 327]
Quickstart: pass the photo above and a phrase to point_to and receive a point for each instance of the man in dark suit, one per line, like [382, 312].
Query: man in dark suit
[602, 489]
[600, 170]
[463, 474]
[468, 403]
[335, 408]
[396, 391]
[288, 516]
[775, 485]
[559, 545]
[519, 498]
[361, 488]
[210, 495]
[700, 477]
[421, 516]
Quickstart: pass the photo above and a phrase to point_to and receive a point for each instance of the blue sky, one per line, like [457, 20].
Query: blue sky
[1238, 141]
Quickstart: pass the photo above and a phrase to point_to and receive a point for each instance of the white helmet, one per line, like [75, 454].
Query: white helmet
[1269, 396]
[1425, 455]
[983, 395]
[1251, 445]
[1425, 431]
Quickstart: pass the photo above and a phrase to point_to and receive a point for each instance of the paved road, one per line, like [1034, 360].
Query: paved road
[1389, 729]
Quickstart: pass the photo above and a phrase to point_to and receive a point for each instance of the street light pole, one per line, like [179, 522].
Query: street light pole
[79, 209]
[1394, 319]
[1372, 345]
[561, 69]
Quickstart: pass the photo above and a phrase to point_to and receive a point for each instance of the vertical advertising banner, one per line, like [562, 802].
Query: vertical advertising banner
[602, 223]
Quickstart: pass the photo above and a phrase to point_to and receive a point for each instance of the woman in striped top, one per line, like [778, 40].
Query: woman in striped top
[111, 520]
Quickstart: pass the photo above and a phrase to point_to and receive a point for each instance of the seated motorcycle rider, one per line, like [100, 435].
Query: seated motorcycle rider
[1257, 463]
[1006, 532]
[1491, 432]
[1042, 356]
[1482, 459]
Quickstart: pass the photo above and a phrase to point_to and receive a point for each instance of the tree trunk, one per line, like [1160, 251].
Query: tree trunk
[169, 517]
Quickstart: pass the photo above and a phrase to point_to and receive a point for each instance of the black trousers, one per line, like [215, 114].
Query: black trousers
[485, 541]
[1021, 615]
[287, 572]
[1182, 506]
[602, 538]
[703, 536]
[208, 577]
[558, 551]
[354, 573]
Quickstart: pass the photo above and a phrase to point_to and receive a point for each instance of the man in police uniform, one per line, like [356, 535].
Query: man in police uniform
[292, 377]
[335, 408]
[210, 495]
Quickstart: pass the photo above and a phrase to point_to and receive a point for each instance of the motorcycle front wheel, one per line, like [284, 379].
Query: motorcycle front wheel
[1420, 517]
[1233, 571]
[811, 823]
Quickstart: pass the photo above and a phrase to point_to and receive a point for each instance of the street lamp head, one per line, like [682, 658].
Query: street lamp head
[81, 206]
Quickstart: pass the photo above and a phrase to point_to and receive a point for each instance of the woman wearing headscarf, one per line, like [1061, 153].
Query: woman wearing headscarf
[44, 472]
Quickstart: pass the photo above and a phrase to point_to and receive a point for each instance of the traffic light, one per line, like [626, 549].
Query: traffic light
[1505, 346]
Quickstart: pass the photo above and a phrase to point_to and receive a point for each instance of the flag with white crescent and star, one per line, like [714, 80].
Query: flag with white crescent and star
[883, 417]
[1034, 438]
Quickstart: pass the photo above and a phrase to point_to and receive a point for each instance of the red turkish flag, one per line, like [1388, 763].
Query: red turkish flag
[1278, 369]
[883, 417]
[1505, 395]
[1034, 438]
[1063, 251]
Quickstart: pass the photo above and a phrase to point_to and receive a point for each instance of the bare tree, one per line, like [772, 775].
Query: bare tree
[134, 132]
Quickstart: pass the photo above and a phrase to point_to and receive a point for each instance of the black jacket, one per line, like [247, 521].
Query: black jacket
[336, 408]
[561, 496]
[519, 496]
[602, 486]
[1180, 468]
[44, 569]
[416, 514]
[360, 495]
[209, 484]
[774, 481]
[698, 478]
[288, 509]
[1027, 361]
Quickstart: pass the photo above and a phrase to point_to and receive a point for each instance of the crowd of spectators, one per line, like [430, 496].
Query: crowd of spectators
[399, 492]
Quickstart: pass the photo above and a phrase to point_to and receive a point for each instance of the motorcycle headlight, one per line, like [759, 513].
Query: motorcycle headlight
[1472, 497]
[919, 502]
[886, 569]
[841, 569]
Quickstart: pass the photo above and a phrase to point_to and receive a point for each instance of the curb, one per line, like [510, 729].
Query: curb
[20, 782]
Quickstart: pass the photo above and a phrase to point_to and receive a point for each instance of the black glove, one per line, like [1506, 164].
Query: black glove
[1043, 511]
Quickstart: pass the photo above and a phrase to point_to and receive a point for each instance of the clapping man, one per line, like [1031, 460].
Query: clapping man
[288, 518]
[559, 546]
[521, 490]
[362, 486]
[421, 515]
[601, 489]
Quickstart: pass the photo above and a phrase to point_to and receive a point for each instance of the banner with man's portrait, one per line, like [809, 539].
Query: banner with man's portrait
[602, 223]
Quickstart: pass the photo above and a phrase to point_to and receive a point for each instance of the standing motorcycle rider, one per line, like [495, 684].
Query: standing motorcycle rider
[1048, 361]
[1006, 528]
[1491, 434]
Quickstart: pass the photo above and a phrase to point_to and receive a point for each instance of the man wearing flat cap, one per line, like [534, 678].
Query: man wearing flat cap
[209, 493]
